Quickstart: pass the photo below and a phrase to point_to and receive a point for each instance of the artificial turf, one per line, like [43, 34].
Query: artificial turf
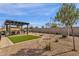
[21, 38]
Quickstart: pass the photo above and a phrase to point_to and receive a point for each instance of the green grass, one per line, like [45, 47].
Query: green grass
[21, 38]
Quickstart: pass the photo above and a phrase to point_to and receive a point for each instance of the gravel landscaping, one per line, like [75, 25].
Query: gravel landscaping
[63, 47]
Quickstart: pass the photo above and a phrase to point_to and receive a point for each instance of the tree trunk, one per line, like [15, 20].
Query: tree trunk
[73, 39]
[68, 31]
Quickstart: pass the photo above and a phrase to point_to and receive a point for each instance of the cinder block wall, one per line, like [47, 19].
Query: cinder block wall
[55, 30]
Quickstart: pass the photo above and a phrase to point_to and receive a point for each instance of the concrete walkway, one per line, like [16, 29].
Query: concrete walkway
[5, 42]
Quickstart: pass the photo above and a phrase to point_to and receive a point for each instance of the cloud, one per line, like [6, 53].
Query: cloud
[48, 11]
[25, 9]
[15, 9]
[28, 5]
[77, 5]
[29, 12]
[20, 5]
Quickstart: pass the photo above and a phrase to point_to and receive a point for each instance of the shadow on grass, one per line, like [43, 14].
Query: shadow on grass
[29, 52]
[62, 52]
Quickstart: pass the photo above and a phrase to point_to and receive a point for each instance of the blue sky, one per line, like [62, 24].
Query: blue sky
[36, 14]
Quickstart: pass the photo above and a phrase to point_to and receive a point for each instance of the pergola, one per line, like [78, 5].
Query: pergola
[8, 24]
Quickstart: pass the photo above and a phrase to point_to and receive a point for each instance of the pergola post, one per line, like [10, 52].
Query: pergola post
[9, 29]
[27, 29]
[6, 29]
[21, 29]
[0, 35]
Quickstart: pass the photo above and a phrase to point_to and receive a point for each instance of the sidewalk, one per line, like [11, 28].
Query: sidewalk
[5, 42]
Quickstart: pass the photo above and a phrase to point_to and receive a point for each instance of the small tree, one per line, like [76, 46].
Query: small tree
[36, 27]
[47, 25]
[68, 15]
[53, 25]
[31, 27]
[42, 27]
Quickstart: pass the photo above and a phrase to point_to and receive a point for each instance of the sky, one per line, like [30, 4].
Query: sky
[37, 14]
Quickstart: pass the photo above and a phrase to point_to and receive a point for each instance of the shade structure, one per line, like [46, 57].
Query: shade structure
[8, 24]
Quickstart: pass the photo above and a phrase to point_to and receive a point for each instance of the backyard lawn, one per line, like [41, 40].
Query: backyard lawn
[16, 39]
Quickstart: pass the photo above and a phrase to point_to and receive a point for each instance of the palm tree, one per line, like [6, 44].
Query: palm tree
[68, 15]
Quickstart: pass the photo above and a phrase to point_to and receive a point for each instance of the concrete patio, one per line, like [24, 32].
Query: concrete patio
[5, 42]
